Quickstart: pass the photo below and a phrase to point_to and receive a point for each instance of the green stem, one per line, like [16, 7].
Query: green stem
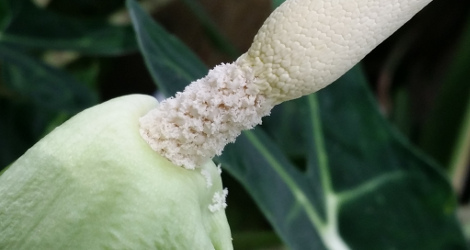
[320, 144]
[459, 161]
[297, 192]
[441, 132]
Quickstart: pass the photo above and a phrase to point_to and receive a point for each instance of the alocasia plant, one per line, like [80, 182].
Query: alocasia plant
[58, 194]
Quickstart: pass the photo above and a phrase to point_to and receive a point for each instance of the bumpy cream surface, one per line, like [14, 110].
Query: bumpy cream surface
[307, 44]
[302, 47]
[196, 124]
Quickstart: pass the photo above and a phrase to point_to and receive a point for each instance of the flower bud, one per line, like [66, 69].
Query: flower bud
[94, 183]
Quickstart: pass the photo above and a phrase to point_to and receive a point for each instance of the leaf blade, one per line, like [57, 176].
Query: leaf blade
[171, 64]
[29, 26]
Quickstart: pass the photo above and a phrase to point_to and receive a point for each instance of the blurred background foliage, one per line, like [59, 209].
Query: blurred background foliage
[58, 57]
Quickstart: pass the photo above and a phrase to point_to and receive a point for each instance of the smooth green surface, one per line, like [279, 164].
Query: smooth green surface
[328, 171]
[93, 183]
[24, 24]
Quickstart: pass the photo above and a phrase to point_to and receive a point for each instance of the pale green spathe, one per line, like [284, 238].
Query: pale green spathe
[94, 183]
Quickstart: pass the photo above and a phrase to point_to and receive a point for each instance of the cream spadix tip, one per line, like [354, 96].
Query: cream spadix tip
[307, 44]
[302, 47]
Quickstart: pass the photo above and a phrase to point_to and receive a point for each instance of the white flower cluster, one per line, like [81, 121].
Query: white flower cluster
[196, 124]
[219, 201]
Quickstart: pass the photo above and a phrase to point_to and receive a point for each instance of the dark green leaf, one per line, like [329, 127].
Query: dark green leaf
[86, 8]
[4, 14]
[276, 3]
[171, 64]
[34, 98]
[218, 40]
[445, 127]
[33, 27]
[22, 124]
[44, 85]
[359, 177]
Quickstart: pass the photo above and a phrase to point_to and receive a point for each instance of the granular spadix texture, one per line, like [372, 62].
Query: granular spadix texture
[94, 183]
[303, 46]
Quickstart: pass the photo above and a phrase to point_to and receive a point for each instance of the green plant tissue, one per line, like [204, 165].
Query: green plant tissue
[93, 183]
